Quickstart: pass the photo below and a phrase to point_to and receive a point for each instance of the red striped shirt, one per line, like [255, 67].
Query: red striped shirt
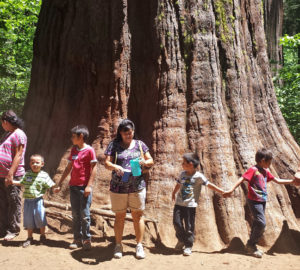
[8, 146]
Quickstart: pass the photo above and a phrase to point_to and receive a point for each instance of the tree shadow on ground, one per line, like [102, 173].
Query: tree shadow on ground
[236, 246]
[287, 242]
[161, 248]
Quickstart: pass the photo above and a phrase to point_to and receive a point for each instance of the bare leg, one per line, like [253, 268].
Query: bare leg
[139, 225]
[29, 233]
[43, 230]
[119, 226]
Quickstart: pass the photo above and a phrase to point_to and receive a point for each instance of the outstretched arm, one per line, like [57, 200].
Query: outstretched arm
[63, 177]
[215, 188]
[283, 181]
[229, 192]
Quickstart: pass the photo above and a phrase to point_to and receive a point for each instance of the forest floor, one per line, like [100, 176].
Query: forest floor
[56, 255]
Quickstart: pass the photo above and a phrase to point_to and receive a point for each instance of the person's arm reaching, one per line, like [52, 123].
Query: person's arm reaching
[230, 191]
[63, 177]
[215, 188]
[283, 181]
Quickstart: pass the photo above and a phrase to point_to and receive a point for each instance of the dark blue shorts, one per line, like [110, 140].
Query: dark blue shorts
[34, 213]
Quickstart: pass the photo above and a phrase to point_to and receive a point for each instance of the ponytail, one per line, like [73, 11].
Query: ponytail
[13, 119]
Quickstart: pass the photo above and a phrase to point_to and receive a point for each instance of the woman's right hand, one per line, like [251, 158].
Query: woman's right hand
[119, 170]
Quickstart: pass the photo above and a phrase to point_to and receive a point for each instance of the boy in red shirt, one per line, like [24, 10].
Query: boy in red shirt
[82, 165]
[257, 178]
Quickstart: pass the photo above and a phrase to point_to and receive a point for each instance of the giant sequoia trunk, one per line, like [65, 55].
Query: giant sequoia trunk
[191, 75]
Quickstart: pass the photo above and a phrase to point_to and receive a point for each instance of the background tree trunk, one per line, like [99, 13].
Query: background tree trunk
[273, 23]
[191, 75]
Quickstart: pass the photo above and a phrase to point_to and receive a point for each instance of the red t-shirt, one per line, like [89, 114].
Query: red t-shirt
[81, 165]
[257, 183]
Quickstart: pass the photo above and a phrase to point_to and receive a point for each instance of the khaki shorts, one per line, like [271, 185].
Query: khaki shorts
[134, 201]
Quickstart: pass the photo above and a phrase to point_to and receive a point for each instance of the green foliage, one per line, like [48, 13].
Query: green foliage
[18, 19]
[291, 22]
[287, 84]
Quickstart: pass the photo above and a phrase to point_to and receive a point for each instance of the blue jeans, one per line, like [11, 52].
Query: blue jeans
[184, 224]
[259, 221]
[80, 212]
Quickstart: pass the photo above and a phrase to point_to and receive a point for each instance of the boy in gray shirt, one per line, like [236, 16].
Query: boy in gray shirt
[189, 186]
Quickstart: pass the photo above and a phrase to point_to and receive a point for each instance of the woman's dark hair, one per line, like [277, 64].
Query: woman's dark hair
[192, 158]
[263, 154]
[13, 119]
[81, 129]
[125, 125]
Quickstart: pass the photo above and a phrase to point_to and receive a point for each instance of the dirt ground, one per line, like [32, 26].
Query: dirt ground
[56, 255]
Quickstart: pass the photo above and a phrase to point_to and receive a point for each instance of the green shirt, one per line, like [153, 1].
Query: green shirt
[36, 184]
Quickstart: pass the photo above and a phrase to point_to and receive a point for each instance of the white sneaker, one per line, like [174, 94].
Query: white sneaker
[140, 254]
[187, 251]
[179, 245]
[118, 251]
[254, 251]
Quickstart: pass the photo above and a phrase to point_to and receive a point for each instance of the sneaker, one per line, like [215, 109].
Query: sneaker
[28, 242]
[140, 254]
[43, 239]
[179, 245]
[187, 251]
[76, 244]
[254, 251]
[10, 236]
[87, 244]
[118, 251]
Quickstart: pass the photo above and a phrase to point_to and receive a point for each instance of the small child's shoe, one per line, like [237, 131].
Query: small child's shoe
[118, 251]
[76, 244]
[254, 251]
[187, 251]
[87, 245]
[43, 239]
[28, 242]
[179, 245]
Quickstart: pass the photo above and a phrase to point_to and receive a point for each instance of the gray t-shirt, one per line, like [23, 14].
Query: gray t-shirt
[189, 192]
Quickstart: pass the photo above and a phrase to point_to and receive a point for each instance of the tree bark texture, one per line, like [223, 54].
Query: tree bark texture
[192, 75]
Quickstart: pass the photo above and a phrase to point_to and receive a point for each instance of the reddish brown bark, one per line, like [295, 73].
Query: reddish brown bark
[191, 75]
